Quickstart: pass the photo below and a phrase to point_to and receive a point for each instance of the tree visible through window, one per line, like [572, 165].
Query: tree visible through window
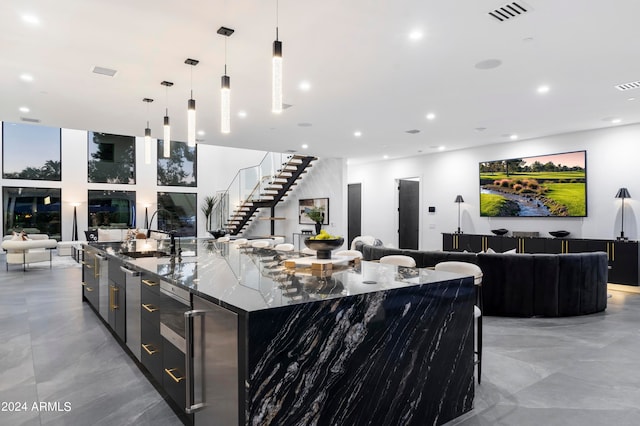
[180, 168]
[112, 158]
[31, 152]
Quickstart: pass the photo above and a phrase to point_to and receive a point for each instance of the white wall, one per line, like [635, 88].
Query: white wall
[611, 163]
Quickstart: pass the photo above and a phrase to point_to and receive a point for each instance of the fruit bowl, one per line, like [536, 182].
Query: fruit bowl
[323, 247]
[500, 231]
[559, 234]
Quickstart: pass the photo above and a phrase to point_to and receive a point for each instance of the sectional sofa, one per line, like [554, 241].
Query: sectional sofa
[525, 284]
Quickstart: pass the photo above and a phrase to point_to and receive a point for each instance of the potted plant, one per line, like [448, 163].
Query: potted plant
[207, 210]
[316, 214]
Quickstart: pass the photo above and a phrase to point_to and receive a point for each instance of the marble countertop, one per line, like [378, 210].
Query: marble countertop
[251, 279]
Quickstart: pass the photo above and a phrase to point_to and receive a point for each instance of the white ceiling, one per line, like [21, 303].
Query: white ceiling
[364, 71]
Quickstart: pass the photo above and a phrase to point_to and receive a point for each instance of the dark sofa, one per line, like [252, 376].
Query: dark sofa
[526, 284]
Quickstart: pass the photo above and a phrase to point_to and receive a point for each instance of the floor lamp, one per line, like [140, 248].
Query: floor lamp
[74, 226]
[459, 200]
[622, 193]
[146, 217]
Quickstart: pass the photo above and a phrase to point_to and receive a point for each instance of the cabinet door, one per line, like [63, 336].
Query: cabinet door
[533, 245]
[116, 314]
[151, 345]
[174, 377]
[89, 278]
[470, 243]
[447, 242]
[555, 245]
[624, 260]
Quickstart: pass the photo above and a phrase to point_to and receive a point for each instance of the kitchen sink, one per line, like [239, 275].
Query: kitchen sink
[138, 254]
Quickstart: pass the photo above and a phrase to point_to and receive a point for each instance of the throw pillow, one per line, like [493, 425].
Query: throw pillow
[91, 235]
[512, 251]
[16, 237]
[490, 250]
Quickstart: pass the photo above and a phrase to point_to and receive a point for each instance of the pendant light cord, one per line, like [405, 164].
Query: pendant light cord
[277, 23]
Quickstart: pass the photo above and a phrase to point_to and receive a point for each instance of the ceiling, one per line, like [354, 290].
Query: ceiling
[365, 73]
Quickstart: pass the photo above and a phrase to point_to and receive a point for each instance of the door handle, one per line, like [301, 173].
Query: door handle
[149, 307]
[192, 406]
[150, 283]
[149, 351]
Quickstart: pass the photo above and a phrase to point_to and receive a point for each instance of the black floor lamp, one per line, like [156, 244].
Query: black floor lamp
[146, 217]
[74, 226]
[622, 193]
[459, 200]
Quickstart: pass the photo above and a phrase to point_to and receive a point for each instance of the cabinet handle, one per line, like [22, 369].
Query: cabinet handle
[149, 307]
[112, 297]
[87, 265]
[613, 252]
[150, 283]
[188, 330]
[170, 371]
[149, 351]
[129, 271]
[99, 256]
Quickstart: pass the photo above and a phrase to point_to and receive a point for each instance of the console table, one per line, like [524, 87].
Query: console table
[623, 256]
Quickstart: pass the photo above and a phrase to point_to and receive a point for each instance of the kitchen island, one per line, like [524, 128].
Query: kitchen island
[258, 340]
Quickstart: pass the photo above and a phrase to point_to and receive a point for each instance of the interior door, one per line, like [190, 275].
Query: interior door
[354, 211]
[408, 213]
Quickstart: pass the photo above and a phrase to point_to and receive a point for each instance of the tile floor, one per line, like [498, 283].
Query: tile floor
[536, 371]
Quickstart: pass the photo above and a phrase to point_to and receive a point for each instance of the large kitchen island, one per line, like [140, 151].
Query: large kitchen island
[238, 335]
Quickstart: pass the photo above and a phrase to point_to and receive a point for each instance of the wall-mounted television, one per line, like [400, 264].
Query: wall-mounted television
[553, 185]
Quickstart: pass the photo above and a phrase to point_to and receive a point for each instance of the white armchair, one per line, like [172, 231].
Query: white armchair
[37, 248]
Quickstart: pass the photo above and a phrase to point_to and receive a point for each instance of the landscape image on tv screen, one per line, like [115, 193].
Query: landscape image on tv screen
[541, 186]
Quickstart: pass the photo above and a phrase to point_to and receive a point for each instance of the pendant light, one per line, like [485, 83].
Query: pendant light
[276, 72]
[191, 109]
[166, 142]
[147, 135]
[225, 88]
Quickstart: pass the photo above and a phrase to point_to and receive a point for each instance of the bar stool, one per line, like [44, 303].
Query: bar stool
[475, 271]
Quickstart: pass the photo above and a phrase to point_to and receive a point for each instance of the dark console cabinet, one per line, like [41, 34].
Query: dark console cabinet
[623, 256]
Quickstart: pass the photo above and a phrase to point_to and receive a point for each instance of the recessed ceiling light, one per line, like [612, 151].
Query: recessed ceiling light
[441, 148]
[31, 19]
[24, 109]
[242, 114]
[201, 133]
[543, 89]
[513, 137]
[304, 86]
[305, 146]
[357, 133]
[431, 116]
[616, 121]
[631, 99]
[26, 77]
[385, 157]
[416, 35]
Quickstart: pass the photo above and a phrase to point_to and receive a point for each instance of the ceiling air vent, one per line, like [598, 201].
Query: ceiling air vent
[30, 120]
[509, 11]
[412, 131]
[628, 86]
[104, 71]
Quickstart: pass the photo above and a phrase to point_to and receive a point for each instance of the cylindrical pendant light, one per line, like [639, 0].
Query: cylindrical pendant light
[147, 135]
[276, 72]
[191, 109]
[225, 104]
[166, 141]
[225, 88]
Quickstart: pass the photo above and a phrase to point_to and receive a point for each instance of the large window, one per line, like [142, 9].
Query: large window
[33, 210]
[177, 212]
[180, 168]
[112, 158]
[30, 152]
[112, 209]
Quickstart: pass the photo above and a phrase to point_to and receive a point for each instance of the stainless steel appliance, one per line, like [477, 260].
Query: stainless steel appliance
[132, 290]
[102, 275]
[212, 363]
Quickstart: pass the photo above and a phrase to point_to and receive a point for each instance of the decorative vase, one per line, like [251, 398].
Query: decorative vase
[318, 227]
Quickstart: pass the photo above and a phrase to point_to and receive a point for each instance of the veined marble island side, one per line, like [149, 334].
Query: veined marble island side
[366, 344]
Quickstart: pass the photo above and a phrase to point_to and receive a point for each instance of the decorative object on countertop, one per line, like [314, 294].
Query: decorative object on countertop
[323, 248]
[622, 193]
[500, 231]
[459, 200]
[207, 209]
[559, 234]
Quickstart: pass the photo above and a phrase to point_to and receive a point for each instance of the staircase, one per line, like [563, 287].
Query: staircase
[260, 187]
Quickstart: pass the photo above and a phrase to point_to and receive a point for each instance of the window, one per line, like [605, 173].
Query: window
[112, 158]
[112, 209]
[177, 212]
[33, 210]
[30, 152]
[180, 168]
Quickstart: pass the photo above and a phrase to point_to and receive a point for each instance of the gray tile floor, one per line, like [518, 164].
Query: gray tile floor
[55, 350]
[536, 371]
